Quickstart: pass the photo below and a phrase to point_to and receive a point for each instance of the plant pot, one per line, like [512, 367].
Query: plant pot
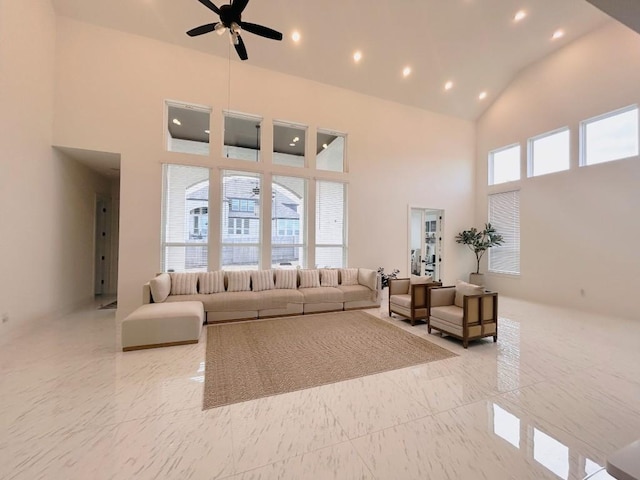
[477, 279]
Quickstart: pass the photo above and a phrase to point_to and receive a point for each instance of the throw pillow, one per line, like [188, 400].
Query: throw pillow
[416, 280]
[348, 276]
[464, 288]
[309, 278]
[211, 282]
[262, 280]
[287, 279]
[239, 281]
[160, 287]
[328, 277]
[184, 283]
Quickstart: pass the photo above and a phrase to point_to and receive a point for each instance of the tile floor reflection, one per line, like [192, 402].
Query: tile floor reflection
[555, 396]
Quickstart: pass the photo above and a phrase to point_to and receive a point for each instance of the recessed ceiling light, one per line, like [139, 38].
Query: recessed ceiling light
[482, 96]
[448, 85]
[295, 36]
[207, 132]
[297, 139]
[557, 34]
[324, 145]
[176, 121]
[406, 71]
[292, 144]
[357, 56]
[520, 15]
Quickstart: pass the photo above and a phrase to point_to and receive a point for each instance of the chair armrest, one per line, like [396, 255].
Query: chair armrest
[481, 308]
[420, 294]
[441, 296]
[398, 286]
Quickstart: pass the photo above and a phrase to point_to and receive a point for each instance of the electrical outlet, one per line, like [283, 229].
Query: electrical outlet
[5, 317]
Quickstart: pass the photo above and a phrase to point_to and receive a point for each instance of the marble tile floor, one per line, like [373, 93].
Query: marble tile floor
[557, 394]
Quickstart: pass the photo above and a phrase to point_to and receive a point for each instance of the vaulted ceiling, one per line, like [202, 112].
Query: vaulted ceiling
[477, 45]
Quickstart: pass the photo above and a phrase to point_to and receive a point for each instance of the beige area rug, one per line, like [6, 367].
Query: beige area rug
[257, 359]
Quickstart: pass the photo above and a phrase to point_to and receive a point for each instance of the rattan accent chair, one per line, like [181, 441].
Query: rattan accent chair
[409, 299]
[466, 312]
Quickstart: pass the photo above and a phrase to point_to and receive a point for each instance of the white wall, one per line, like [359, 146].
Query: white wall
[110, 95]
[579, 227]
[47, 224]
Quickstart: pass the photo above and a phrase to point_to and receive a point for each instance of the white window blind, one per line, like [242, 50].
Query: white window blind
[185, 218]
[504, 216]
[240, 217]
[330, 224]
[288, 217]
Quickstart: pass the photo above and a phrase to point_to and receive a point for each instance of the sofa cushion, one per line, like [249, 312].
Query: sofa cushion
[322, 295]
[368, 278]
[309, 278]
[356, 293]
[328, 277]
[279, 298]
[348, 276]
[223, 302]
[184, 283]
[211, 282]
[239, 281]
[160, 287]
[464, 288]
[262, 280]
[286, 279]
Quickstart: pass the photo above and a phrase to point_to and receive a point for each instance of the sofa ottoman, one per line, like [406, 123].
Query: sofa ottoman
[162, 325]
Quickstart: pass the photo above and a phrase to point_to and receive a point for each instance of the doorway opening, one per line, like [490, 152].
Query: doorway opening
[425, 242]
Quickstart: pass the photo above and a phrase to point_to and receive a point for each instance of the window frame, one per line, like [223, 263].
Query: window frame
[186, 106]
[491, 166]
[530, 155]
[345, 222]
[582, 162]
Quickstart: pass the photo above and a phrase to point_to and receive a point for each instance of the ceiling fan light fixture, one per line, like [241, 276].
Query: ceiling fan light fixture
[220, 29]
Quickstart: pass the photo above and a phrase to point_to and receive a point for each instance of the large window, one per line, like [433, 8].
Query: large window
[330, 224]
[504, 165]
[242, 137]
[188, 128]
[185, 232]
[289, 143]
[609, 137]
[288, 219]
[240, 215]
[330, 148]
[504, 215]
[549, 153]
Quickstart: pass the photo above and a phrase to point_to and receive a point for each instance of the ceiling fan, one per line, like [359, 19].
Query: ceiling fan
[231, 19]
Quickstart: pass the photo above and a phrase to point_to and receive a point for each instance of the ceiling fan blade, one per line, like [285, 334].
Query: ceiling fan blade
[202, 29]
[210, 6]
[261, 30]
[238, 6]
[241, 49]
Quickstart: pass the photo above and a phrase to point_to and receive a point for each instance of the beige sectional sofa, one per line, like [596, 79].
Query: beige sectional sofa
[243, 295]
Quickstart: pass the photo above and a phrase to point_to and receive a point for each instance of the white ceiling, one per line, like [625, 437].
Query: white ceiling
[474, 43]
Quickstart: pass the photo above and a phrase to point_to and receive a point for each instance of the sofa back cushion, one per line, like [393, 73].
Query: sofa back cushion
[211, 282]
[262, 280]
[464, 288]
[287, 279]
[239, 281]
[328, 277]
[309, 278]
[348, 276]
[160, 287]
[368, 278]
[417, 280]
[184, 283]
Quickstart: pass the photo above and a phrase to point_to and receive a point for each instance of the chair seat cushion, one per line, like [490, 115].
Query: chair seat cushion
[404, 300]
[448, 313]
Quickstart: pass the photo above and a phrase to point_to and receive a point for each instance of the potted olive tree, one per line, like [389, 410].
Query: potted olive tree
[479, 242]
